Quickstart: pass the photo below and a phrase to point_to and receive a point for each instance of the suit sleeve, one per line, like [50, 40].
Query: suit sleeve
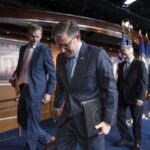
[50, 69]
[118, 80]
[143, 82]
[149, 78]
[59, 92]
[108, 87]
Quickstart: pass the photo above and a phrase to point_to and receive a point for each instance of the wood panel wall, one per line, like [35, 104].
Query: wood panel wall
[8, 109]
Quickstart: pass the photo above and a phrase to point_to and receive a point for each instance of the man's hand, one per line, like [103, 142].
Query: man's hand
[103, 127]
[139, 102]
[148, 96]
[46, 99]
[56, 112]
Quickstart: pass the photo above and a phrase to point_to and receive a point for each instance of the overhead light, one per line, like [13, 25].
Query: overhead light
[127, 24]
[48, 38]
[7, 32]
[128, 2]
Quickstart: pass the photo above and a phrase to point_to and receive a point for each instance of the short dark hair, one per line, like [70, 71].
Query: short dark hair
[66, 26]
[34, 27]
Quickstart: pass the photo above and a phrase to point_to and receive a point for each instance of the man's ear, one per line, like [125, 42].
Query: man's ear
[78, 36]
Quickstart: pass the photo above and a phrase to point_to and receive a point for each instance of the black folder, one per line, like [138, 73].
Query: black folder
[92, 115]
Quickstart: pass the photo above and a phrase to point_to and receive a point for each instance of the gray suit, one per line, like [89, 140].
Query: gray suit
[93, 78]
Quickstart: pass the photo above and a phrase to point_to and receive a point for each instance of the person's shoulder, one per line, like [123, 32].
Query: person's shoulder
[61, 59]
[42, 46]
[23, 46]
[95, 49]
[121, 63]
[138, 61]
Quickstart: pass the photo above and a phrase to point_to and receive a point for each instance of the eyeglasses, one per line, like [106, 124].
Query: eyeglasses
[65, 45]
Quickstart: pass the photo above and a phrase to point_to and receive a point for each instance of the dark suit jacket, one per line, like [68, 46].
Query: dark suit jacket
[149, 78]
[134, 85]
[93, 78]
[41, 72]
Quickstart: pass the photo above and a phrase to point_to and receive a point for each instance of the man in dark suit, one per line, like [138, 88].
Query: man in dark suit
[91, 77]
[36, 76]
[132, 85]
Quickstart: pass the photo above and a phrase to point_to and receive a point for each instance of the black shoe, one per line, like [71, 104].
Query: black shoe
[137, 147]
[124, 141]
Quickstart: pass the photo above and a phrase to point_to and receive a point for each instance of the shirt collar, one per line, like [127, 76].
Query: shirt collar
[78, 50]
[33, 46]
[130, 61]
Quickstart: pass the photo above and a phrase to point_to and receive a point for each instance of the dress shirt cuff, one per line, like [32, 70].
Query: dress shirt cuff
[57, 109]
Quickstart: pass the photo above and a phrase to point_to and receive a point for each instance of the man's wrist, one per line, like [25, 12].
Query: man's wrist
[56, 109]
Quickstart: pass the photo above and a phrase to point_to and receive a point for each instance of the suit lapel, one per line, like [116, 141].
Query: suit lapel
[64, 71]
[35, 52]
[80, 63]
[122, 69]
[24, 51]
[130, 67]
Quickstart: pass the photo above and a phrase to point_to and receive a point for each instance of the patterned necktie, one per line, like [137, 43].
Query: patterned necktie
[70, 64]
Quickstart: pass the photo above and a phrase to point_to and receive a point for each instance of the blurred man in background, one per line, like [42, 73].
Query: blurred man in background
[132, 86]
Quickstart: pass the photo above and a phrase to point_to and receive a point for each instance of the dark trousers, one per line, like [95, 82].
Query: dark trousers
[67, 137]
[22, 109]
[136, 114]
[29, 113]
